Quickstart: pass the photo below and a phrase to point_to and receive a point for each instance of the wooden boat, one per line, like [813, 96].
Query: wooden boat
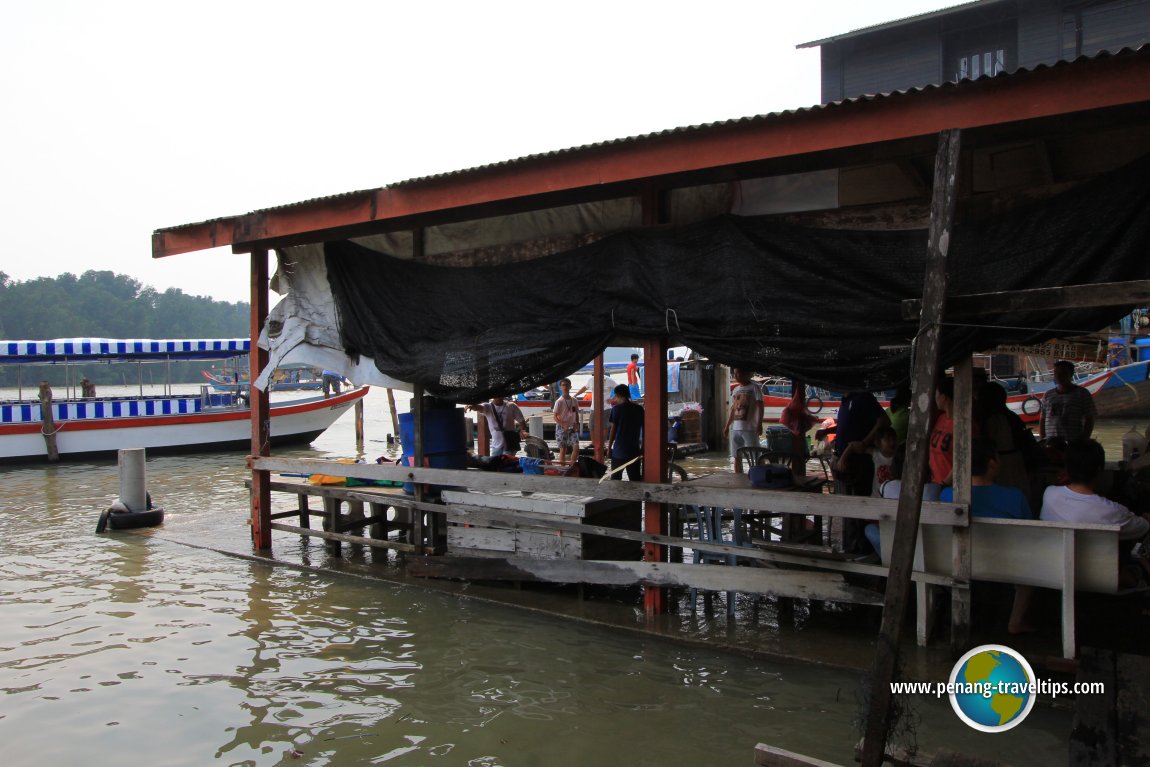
[1028, 406]
[1122, 391]
[286, 378]
[207, 421]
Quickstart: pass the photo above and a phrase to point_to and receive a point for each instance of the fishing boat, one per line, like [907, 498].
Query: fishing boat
[1028, 405]
[83, 427]
[285, 378]
[1122, 391]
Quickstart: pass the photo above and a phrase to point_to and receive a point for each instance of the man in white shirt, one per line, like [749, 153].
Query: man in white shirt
[505, 423]
[745, 415]
[1078, 501]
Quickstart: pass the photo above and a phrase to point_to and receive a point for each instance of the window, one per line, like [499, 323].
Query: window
[981, 51]
[978, 64]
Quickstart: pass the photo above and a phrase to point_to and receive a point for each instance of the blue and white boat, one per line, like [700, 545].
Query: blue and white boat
[91, 426]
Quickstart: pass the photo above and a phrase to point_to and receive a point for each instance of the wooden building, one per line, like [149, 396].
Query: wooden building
[929, 166]
[975, 39]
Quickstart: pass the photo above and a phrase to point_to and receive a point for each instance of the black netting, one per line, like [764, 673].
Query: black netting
[816, 304]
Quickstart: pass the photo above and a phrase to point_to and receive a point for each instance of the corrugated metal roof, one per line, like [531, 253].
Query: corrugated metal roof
[899, 22]
[717, 125]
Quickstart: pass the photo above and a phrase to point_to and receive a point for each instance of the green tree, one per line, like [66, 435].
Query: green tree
[103, 304]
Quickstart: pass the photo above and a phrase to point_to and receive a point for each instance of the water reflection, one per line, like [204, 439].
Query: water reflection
[133, 646]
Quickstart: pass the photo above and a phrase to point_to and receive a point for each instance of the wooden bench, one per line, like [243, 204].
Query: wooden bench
[1055, 555]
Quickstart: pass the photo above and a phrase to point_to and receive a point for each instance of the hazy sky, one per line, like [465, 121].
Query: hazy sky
[123, 117]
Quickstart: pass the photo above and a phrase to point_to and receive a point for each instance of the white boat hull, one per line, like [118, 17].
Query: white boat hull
[216, 428]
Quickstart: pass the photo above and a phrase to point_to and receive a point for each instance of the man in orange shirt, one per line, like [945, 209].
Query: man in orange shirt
[633, 377]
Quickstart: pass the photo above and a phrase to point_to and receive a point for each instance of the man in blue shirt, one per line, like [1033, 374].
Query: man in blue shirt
[986, 498]
[626, 438]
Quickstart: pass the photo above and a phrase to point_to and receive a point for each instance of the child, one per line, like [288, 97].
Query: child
[567, 424]
[882, 454]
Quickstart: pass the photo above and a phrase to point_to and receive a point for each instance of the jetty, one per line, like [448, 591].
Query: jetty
[949, 220]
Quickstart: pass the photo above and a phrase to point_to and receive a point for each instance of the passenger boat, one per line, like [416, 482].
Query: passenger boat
[204, 421]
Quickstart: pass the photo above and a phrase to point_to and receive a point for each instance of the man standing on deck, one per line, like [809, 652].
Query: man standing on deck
[502, 419]
[633, 377]
[625, 441]
[860, 419]
[1067, 410]
[567, 424]
[331, 380]
[744, 416]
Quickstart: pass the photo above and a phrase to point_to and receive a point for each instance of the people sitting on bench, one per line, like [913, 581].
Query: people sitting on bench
[1079, 501]
[987, 498]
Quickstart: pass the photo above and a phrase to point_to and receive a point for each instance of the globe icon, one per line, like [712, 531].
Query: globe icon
[992, 688]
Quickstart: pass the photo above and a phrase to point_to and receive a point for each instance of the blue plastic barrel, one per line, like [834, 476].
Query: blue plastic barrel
[445, 438]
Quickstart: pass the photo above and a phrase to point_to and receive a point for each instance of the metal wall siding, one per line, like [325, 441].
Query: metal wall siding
[895, 66]
[832, 74]
[1039, 35]
[1109, 27]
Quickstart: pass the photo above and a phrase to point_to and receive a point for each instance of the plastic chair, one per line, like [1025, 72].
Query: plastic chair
[708, 526]
[537, 448]
[749, 456]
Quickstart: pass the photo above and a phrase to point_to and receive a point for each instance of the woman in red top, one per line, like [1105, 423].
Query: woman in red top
[942, 434]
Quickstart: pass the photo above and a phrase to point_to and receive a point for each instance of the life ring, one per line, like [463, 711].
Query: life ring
[814, 405]
[1027, 410]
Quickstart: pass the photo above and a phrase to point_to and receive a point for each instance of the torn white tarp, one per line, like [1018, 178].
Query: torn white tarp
[302, 327]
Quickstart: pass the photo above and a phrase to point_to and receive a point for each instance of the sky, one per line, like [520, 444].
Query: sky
[121, 117]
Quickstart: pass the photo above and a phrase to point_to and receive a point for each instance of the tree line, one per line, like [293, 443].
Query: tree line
[102, 304]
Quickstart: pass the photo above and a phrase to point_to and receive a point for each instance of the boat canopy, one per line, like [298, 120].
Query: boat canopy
[67, 350]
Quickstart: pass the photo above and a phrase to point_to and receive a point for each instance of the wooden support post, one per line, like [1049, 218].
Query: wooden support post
[963, 426]
[394, 413]
[359, 425]
[331, 508]
[304, 511]
[48, 422]
[924, 377]
[379, 529]
[482, 435]
[417, 532]
[260, 495]
[654, 460]
[598, 403]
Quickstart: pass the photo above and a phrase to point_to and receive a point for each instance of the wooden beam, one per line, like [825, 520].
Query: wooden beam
[1132, 293]
[1084, 85]
[923, 381]
[260, 494]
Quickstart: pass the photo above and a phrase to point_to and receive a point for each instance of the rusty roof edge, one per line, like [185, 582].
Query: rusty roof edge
[1143, 50]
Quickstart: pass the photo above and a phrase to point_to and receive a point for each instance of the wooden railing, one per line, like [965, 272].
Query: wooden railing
[809, 572]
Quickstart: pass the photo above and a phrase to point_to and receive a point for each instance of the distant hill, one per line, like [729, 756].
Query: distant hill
[102, 304]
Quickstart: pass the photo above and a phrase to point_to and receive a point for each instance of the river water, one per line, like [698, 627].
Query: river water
[134, 646]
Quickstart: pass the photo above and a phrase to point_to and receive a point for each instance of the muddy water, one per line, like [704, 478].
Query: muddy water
[137, 647]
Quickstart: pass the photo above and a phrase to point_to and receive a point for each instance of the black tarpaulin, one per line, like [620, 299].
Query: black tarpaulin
[815, 304]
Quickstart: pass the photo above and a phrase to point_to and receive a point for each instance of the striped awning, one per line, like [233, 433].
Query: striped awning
[79, 349]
